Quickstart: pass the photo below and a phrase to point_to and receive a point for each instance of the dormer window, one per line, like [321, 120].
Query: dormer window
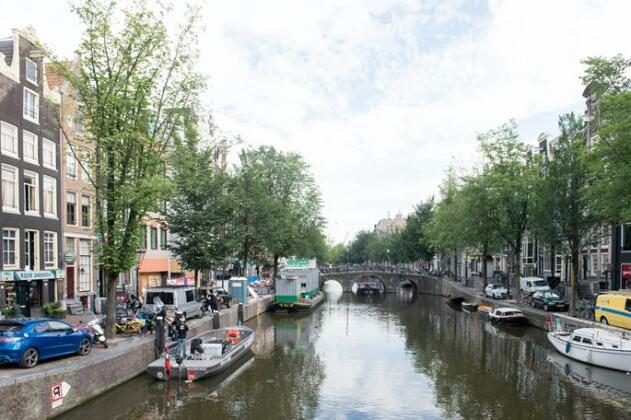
[31, 71]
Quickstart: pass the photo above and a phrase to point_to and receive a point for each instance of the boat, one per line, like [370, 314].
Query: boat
[368, 289]
[594, 346]
[210, 353]
[469, 307]
[507, 316]
[484, 310]
[298, 288]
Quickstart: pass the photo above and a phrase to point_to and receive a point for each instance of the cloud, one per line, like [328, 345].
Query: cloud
[380, 96]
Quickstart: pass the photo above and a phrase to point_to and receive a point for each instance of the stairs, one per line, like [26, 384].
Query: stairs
[74, 307]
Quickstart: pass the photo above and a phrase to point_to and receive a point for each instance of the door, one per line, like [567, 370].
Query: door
[65, 340]
[23, 297]
[70, 282]
[46, 340]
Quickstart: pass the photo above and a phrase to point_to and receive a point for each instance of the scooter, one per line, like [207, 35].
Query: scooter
[98, 332]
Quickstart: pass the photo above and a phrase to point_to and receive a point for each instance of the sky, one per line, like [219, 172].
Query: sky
[381, 96]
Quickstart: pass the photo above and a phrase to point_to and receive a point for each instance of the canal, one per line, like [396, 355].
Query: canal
[394, 357]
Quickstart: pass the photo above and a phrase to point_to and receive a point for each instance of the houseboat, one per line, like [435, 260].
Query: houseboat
[298, 287]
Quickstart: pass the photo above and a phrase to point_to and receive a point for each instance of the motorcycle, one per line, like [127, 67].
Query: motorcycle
[98, 332]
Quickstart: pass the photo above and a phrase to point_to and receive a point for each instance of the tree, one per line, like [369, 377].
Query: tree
[132, 79]
[610, 156]
[510, 174]
[413, 240]
[201, 207]
[563, 195]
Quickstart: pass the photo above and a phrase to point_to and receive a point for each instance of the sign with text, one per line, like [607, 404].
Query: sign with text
[34, 275]
[626, 271]
[297, 263]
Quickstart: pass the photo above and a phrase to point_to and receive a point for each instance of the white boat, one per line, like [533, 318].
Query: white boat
[507, 316]
[595, 346]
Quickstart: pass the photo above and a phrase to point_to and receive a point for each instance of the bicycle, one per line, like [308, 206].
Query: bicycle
[131, 326]
[584, 310]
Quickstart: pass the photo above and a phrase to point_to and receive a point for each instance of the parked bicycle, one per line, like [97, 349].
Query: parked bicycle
[130, 326]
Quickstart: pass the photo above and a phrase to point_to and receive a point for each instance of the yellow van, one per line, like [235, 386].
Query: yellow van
[614, 309]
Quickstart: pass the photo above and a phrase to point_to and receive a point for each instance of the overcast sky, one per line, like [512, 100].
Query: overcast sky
[381, 96]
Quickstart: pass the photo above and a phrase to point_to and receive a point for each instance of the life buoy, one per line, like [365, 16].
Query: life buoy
[233, 335]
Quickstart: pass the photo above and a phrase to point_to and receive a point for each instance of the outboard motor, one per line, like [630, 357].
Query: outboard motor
[196, 346]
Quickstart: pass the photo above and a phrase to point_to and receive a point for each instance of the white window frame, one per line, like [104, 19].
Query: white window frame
[5, 127]
[34, 175]
[595, 264]
[16, 193]
[25, 115]
[53, 263]
[16, 249]
[89, 225]
[71, 163]
[76, 209]
[30, 159]
[46, 142]
[54, 185]
[29, 61]
[36, 236]
[86, 160]
[85, 264]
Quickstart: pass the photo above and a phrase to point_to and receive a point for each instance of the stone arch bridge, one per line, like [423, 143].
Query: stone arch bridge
[390, 280]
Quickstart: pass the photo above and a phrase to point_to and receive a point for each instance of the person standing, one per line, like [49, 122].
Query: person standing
[181, 331]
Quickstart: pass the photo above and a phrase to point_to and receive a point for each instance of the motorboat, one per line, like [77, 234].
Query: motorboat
[210, 353]
[594, 346]
[469, 306]
[298, 306]
[484, 310]
[507, 316]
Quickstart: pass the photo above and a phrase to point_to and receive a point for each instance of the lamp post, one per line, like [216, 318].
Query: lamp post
[388, 256]
[141, 254]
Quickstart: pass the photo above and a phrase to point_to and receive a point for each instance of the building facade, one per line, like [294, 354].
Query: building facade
[389, 226]
[78, 197]
[30, 215]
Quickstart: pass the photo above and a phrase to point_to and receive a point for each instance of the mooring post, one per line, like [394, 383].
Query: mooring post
[215, 320]
[159, 339]
[240, 313]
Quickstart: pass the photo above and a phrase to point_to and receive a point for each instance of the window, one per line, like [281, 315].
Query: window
[558, 264]
[604, 238]
[154, 238]
[31, 250]
[50, 197]
[9, 134]
[85, 264]
[31, 106]
[78, 127]
[587, 341]
[10, 193]
[31, 193]
[163, 238]
[71, 164]
[49, 153]
[59, 327]
[626, 237]
[86, 209]
[71, 208]
[10, 248]
[29, 143]
[190, 295]
[86, 157]
[595, 264]
[31, 71]
[143, 237]
[50, 250]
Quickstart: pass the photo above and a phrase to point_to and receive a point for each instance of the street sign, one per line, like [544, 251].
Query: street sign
[58, 391]
[69, 257]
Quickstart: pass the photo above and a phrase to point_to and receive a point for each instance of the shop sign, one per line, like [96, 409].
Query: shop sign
[69, 257]
[6, 275]
[626, 271]
[293, 264]
[180, 281]
[34, 275]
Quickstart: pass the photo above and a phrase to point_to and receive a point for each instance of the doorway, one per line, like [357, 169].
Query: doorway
[70, 281]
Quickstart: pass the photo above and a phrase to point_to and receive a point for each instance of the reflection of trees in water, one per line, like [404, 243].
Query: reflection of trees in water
[482, 373]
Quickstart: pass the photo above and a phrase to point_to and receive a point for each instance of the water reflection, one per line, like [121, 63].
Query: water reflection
[400, 357]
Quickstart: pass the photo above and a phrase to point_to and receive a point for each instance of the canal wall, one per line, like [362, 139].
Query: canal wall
[31, 395]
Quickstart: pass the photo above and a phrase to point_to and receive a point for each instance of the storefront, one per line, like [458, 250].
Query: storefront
[30, 290]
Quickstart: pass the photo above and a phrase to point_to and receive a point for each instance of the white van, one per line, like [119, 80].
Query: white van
[185, 299]
[529, 285]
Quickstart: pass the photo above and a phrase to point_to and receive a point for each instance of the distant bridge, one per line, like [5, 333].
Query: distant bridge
[390, 280]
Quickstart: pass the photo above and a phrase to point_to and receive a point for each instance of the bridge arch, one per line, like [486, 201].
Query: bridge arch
[390, 280]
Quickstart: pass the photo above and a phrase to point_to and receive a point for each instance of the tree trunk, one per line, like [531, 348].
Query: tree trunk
[575, 256]
[275, 270]
[485, 251]
[553, 260]
[110, 325]
[517, 268]
[197, 279]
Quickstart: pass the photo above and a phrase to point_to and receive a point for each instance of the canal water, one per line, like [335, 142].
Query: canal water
[393, 358]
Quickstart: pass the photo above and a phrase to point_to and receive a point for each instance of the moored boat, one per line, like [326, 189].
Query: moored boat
[209, 354]
[298, 287]
[469, 307]
[484, 310]
[368, 289]
[507, 316]
[595, 346]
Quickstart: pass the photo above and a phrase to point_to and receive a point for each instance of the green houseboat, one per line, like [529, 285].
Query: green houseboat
[298, 287]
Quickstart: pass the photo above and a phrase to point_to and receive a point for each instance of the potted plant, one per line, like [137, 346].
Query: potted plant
[54, 310]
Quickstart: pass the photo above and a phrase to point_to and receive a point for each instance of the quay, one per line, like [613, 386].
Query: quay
[33, 394]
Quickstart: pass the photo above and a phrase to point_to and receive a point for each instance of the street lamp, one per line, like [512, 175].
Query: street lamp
[388, 254]
[141, 255]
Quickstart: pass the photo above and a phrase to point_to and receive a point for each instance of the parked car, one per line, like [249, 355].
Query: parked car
[548, 301]
[184, 298]
[496, 291]
[26, 341]
[224, 296]
[529, 285]
[613, 308]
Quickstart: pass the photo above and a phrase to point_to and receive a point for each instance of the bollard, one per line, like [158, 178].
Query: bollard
[240, 313]
[159, 340]
[215, 320]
